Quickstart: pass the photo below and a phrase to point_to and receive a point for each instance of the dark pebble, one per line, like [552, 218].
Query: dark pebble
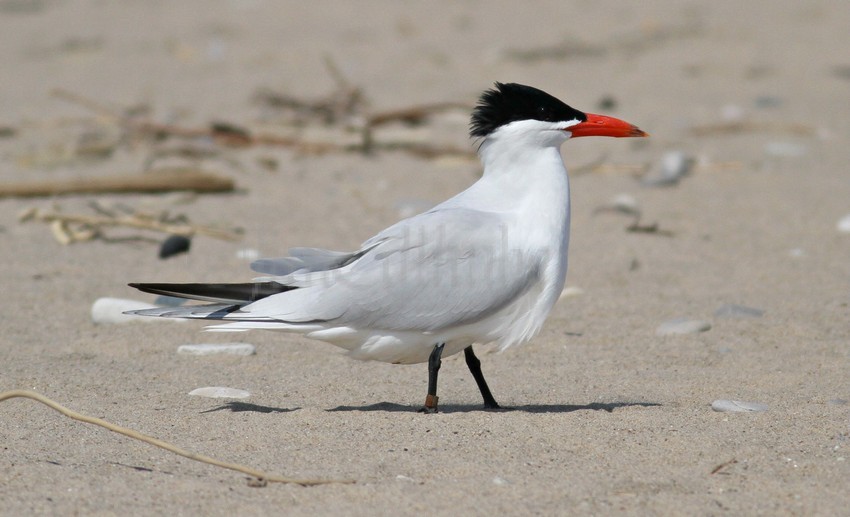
[607, 103]
[174, 245]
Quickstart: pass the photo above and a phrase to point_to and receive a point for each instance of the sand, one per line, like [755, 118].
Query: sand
[608, 418]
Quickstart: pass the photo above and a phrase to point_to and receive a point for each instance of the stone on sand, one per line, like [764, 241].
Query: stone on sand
[217, 348]
[682, 326]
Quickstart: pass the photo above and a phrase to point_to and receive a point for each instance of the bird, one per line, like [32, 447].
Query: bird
[483, 267]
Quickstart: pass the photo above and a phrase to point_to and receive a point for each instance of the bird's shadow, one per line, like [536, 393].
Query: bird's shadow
[528, 408]
[241, 407]
[390, 407]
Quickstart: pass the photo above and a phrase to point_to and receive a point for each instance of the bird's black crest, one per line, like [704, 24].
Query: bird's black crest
[510, 102]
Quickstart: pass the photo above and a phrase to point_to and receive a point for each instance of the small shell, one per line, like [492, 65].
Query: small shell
[61, 233]
[220, 393]
[218, 348]
[843, 224]
[571, 291]
[732, 310]
[737, 406]
[682, 326]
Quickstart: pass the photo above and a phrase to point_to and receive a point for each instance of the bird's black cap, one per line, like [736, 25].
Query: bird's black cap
[509, 102]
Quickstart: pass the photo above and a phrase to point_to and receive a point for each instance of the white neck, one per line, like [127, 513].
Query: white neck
[514, 146]
[523, 169]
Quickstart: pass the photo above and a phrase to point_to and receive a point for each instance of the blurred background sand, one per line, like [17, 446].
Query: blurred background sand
[610, 417]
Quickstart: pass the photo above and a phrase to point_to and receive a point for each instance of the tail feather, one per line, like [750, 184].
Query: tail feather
[219, 293]
[215, 311]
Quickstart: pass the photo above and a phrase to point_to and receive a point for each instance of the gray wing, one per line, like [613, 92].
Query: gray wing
[442, 268]
[304, 260]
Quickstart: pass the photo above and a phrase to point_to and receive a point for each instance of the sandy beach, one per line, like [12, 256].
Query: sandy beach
[727, 219]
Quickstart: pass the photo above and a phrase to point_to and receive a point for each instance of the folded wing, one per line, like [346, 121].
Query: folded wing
[439, 269]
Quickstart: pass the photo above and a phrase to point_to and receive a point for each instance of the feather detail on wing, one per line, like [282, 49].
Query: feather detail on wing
[215, 311]
[440, 269]
[306, 260]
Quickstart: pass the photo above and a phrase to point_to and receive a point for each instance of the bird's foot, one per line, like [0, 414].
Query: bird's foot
[430, 405]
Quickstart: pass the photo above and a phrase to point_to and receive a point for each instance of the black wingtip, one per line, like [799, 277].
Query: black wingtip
[229, 293]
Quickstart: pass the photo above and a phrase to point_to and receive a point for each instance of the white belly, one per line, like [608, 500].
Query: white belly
[515, 324]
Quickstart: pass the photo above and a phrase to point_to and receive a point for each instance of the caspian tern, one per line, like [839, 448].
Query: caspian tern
[485, 266]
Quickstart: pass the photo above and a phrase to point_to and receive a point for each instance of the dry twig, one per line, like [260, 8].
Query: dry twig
[652, 229]
[69, 228]
[341, 105]
[260, 477]
[719, 468]
[411, 115]
[345, 103]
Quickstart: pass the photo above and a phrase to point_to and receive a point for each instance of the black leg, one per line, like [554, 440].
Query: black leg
[434, 363]
[475, 367]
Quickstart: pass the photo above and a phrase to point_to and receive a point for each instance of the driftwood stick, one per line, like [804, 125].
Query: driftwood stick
[60, 225]
[159, 181]
[90, 104]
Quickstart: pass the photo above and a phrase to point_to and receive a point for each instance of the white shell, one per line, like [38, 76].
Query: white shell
[737, 406]
[682, 326]
[220, 393]
[218, 348]
[843, 224]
